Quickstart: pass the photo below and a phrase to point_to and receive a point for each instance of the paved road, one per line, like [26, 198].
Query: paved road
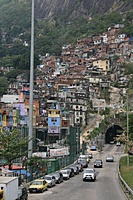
[106, 186]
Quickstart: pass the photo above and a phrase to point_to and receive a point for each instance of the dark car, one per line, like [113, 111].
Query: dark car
[83, 162]
[59, 177]
[71, 171]
[98, 163]
[22, 193]
[80, 166]
[75, 168]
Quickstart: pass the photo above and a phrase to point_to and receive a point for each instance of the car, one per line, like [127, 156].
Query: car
[110, 158]
[84, 157]
[90, 155]
[112, 142]
[38, 185]
[81, 157]
[98, 163]
[93, 148]
[22, 193]
[65, 173]
[75, 168]
[59, 177]
[71, 171]
[51, 180]
[118, 144]
[89, 174]
[83, 162]
[80, 166]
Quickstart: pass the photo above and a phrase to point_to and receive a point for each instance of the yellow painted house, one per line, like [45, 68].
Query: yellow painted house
[54, 113]
[103, 64]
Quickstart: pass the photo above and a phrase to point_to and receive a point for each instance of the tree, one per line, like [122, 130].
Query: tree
[12, 74]
[12, 146]
[3, 86]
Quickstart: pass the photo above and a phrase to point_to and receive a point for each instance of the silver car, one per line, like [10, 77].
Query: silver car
[110, 158]
[66, 174]
[51, 180]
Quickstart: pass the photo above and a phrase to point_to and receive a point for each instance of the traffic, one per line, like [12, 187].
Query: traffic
[88, 183]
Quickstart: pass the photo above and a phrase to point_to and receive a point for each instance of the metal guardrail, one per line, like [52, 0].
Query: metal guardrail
[128, 189]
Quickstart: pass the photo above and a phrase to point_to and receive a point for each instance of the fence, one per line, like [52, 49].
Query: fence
[50, 166]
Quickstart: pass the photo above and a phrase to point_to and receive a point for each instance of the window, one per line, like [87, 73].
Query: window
[65, 123]
[53, 120]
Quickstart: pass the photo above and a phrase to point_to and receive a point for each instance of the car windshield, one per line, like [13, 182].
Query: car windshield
[89, 171]
[47, 177]
[37, 182]
[98, 161]
[72, 167]
[83, 162]
[64, 172]
[110, 156]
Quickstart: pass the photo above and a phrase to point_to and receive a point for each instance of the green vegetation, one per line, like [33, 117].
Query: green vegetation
[127, 171]
[50, 35]
[12, 146]
[3, 85]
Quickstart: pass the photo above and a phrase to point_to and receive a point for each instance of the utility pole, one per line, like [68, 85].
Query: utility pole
[127, 130]
[30, 144]
[77, 139]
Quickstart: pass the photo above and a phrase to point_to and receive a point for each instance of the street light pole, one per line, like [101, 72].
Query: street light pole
[127, 130]
[77, 140]
[30, 144]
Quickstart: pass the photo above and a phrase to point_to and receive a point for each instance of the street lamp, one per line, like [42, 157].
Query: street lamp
[30, 144]
[127, 130]
[77, 140]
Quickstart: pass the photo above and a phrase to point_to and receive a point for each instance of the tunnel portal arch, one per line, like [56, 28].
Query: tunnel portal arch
[112, 132]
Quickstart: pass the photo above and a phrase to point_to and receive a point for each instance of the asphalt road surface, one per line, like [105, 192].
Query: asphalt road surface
[106, 186]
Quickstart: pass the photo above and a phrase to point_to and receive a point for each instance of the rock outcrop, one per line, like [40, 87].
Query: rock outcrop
[76, 8]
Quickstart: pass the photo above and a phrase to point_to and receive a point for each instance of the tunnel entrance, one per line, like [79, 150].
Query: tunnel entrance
[112, 133]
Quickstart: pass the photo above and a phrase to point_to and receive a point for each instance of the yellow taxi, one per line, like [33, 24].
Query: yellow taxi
[38, 185]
